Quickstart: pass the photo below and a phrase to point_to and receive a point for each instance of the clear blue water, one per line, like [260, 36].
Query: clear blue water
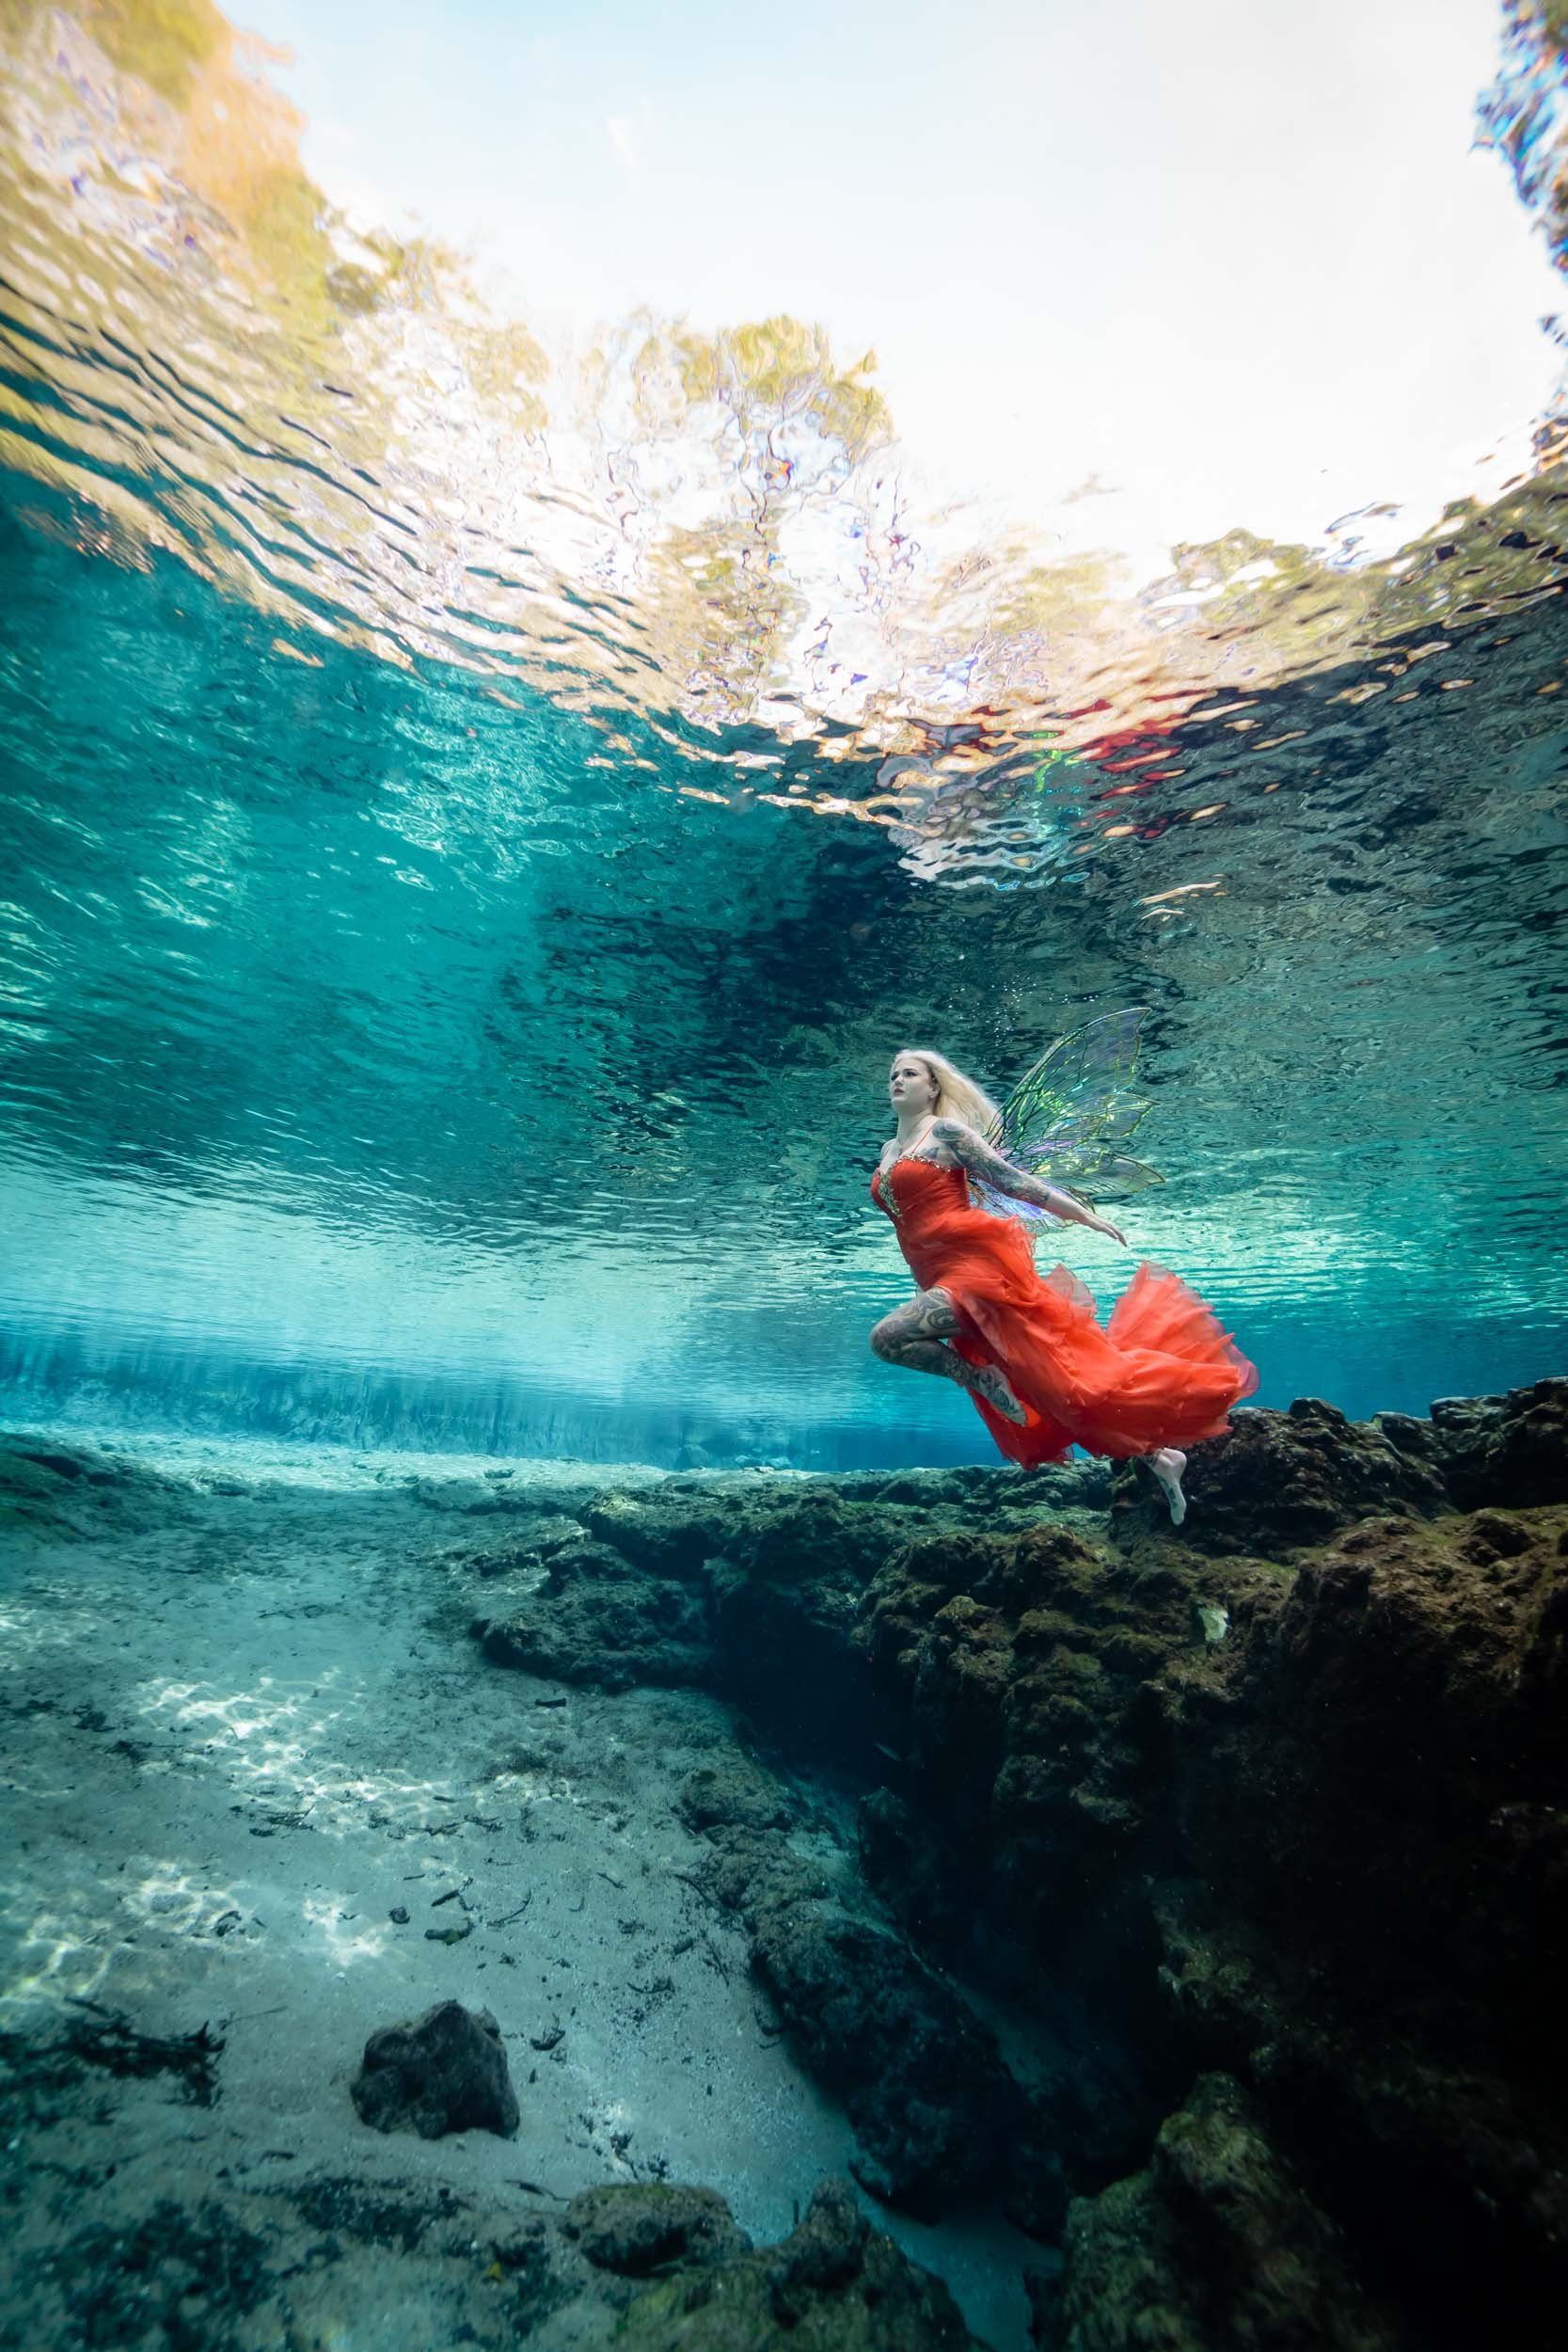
[461, 887]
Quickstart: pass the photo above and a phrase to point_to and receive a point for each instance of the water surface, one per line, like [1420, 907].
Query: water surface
[480, 810]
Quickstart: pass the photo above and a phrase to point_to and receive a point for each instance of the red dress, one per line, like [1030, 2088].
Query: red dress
[1161, 1372]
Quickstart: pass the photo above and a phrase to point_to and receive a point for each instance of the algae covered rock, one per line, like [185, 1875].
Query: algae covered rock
[1276, 1803]
[1216, 2245]
[670, 1533]
[62, 1488]
[635, 2228]
[1281, 1482]
[746, 1588]
[834, 2285]
[735, 1792]
[1027, 1673]
[1402, 1733]
[920, 2076]
[601, 1621]
[1509, 1450]
[1276, 1482]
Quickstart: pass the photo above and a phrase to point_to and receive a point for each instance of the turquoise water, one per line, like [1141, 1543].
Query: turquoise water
[458, 910]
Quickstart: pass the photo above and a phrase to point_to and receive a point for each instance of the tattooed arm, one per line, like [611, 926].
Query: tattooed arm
[976, 1157]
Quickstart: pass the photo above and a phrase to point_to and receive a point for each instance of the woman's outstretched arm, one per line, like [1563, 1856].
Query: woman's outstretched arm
[976, 1157]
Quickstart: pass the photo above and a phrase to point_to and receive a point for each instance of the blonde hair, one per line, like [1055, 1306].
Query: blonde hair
[958, 1097]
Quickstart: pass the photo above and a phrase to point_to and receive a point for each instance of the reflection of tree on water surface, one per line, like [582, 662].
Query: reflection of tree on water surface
[713, 533]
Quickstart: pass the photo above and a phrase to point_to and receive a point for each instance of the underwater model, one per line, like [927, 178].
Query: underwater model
[963, 1182]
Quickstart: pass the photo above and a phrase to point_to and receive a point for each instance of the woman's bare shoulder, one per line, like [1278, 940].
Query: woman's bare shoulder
[958, 1135]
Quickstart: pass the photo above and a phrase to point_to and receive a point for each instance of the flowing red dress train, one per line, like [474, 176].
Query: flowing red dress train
[1161, 1371]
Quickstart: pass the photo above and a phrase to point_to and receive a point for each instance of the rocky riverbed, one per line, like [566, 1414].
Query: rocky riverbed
[909, 1910]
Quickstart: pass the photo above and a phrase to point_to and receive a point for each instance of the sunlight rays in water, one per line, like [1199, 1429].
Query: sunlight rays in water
[283, 1745]
[75, 1947]
[265, 1757]
[71, 1947]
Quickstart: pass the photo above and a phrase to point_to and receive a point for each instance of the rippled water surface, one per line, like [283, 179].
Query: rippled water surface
[482, 805]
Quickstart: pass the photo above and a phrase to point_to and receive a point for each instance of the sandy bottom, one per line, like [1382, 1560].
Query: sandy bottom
[235, 1743]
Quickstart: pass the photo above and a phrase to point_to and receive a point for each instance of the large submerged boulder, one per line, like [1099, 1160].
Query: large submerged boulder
[834, 2284]
[444, 2070]
[1216, 2243]
[1276, 1482]
[1508, 1450]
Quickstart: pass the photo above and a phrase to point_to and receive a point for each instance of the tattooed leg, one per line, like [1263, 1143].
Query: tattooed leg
[914, 1335]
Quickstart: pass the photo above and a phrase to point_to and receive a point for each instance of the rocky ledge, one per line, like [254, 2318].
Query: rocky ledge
[1263, 1822]
[347, 2261]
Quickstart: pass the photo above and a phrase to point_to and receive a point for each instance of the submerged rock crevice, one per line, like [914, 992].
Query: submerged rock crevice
[1195, 1901]
[1264, 1817]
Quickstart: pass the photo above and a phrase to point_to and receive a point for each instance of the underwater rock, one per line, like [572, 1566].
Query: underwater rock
[744, 1588]
[736, 1794]
[669, 1535]
[59, 1487]
[405, 2263]
[601, 1622]
[1026, 1675]
[1509, 1450]
[908, 1866]
[921, 2079]
[636, 2227]
[1399, 1732]
[836, 2283]
[1380, 1815]
[517, 1545]
[1216, 2245]
[442, 2072]
[1276, 1482]
[467, 1495]
[1449, 2179]
[37, 1465]
[785, 1593]
[1324, 1856]
[1368, 1779]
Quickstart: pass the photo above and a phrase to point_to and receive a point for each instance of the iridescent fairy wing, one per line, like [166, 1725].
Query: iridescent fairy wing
[1081, 1084]
[1005, 1204]
[1068, 1118]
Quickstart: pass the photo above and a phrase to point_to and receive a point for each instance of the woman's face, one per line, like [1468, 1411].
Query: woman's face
[910, 1084]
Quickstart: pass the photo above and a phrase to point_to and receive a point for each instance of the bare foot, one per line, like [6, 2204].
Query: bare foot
[1168, 1462]
[991, 1384]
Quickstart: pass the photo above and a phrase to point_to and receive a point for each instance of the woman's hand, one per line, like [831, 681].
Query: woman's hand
[1103, 1225]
